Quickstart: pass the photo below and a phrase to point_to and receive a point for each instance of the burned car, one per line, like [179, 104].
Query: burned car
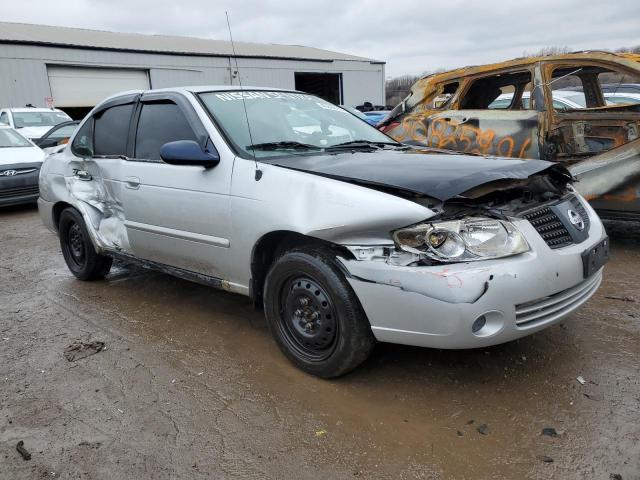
[344, 236]
[555, 108]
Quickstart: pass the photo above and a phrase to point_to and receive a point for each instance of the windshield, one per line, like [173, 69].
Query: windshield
[39, 119]
[286, 121]
[63, 132]
[11, 138]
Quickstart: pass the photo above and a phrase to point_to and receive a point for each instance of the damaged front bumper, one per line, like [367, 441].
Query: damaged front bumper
[476, 304]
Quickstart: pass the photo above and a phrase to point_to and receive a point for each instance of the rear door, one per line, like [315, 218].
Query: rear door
[593, 126]
[176, 215]
[94, 175]
[594, 129]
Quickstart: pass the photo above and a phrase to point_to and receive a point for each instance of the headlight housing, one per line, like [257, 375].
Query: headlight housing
[466, 240]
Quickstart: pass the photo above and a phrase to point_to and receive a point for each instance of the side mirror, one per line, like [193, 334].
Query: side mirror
[47, 142]
[188, 152]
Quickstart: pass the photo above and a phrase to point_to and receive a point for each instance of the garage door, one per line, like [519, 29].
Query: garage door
[86, 87]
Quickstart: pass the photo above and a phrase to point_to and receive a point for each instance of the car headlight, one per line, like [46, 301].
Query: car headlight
[465, 240]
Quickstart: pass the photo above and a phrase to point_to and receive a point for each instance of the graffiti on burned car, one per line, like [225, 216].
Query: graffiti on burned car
[476, 136]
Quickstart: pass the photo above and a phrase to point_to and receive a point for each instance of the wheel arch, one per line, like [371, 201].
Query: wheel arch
[273, 244]
[57, 210]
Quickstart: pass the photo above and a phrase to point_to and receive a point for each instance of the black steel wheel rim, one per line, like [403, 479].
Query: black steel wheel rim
[76, 244]
[308, 319]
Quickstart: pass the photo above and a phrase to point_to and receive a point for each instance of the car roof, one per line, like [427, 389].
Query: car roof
[33, 109]
[428, 84]
[200, 89]
[204, 88]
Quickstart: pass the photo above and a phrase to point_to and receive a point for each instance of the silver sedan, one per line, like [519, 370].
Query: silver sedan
[343, 236]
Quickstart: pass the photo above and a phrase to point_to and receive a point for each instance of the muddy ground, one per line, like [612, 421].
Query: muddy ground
[190, 385]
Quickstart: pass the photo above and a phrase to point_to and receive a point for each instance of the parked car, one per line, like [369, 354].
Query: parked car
[622, 98]
[32, 122]
[57, 136]
[621, 88]
[374, 117]
[344, 243]
[20, 162]
[598, 140]
[561, 101]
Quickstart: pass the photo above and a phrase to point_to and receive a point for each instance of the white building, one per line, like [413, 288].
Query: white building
[74, 69]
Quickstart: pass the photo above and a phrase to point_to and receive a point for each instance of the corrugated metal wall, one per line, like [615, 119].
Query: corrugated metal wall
[23, 72]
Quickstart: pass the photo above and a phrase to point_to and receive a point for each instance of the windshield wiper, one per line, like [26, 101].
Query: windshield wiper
[282, 146]
[363, 144]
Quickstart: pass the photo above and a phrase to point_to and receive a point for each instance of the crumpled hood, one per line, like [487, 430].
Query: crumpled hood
[18, 155]
[441, 176]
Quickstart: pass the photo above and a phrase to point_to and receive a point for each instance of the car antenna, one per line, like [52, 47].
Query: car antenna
[258, 175]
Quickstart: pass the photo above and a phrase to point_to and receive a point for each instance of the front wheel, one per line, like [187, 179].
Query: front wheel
[78, 251]
[314, 315]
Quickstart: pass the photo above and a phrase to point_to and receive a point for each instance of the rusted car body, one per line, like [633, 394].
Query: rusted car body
[599, 143]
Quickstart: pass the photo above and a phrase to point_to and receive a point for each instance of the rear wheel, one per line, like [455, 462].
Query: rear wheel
[82, 259]
[314, 314]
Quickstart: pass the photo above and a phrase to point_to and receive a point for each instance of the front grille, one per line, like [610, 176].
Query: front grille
[548, 309]
[549, 226]
[555, 231]
[19, 191]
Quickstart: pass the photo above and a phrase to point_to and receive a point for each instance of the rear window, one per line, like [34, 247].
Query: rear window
[82, 145]
[111, 129]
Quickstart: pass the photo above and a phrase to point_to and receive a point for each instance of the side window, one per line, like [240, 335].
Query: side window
[576, 87]
[619, 87]
[160, 123]
[111, 129]
[4, 118]
[508, 91]
[82, 145]
[567, 88]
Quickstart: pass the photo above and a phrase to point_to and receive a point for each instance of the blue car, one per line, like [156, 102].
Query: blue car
[374, 117]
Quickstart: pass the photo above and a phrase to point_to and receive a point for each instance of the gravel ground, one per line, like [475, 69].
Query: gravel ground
[190, 385]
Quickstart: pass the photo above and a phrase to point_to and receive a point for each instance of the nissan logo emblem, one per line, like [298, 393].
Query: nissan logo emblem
[576, 219]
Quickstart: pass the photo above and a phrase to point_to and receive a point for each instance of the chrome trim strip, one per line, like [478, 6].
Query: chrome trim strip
[181, 234]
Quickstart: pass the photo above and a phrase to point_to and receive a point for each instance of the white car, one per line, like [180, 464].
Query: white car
[562, 100]
[621, 98]
[20, 162]
[33, 123]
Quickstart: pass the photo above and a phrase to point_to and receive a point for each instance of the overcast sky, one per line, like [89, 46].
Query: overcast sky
[411, 36]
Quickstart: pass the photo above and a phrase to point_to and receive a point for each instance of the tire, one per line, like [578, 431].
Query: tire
[314, 315]
[78, 251]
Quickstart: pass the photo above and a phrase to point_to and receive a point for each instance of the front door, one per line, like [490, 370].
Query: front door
[493, 114]
[176, 215]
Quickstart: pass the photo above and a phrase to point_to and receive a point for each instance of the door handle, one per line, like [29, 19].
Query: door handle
[132, 183]
[82, 175]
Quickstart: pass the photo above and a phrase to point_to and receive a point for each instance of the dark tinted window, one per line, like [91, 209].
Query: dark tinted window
[83, 142]
[111, 129]
[160, 123]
